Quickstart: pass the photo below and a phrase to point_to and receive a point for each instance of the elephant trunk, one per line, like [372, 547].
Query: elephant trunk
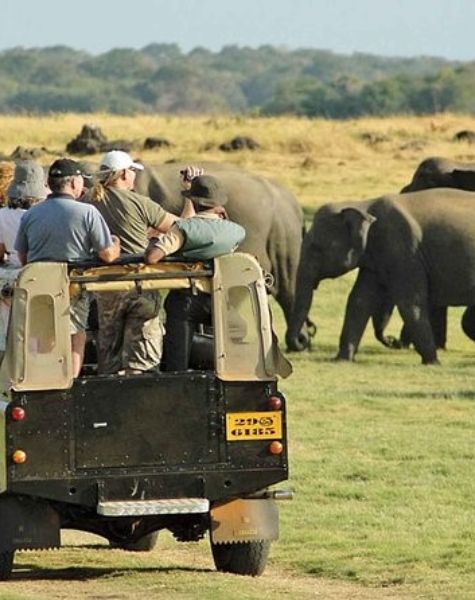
[297, 337]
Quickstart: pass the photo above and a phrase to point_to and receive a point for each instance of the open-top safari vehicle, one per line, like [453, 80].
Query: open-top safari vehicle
[126, 456]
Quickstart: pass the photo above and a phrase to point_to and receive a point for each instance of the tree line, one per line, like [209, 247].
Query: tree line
[265, 81]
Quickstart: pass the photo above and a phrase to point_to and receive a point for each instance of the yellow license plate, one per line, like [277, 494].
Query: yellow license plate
[253, 426]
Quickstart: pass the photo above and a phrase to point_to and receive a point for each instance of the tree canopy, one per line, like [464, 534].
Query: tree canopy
[266, 80]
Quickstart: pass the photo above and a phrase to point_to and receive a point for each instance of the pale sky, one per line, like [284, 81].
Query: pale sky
[441, 28]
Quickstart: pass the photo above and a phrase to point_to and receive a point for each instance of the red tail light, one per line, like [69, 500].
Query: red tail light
[18, 413]
[274, 403]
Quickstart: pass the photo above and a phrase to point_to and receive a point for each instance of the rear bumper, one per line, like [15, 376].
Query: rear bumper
[216, 485]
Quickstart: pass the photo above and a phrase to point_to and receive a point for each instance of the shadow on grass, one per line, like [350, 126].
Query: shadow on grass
[30, 572]
[423, 394]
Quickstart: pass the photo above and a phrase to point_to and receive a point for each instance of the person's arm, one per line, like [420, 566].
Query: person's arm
[3, 250]
[153, 255]
[188, 209]
[163, 245]
[167, 222]
[170, 219]
[110, 253]
[160, 220]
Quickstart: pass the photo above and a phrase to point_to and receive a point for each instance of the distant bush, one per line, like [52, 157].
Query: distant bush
[266, 80]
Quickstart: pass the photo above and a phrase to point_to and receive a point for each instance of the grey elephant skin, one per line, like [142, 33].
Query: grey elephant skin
[435, 171]
[269, 212]
[416, 249]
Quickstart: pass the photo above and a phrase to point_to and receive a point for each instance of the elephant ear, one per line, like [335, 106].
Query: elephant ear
[358, 223]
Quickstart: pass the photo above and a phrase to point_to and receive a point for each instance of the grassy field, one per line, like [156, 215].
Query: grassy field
[382, 450]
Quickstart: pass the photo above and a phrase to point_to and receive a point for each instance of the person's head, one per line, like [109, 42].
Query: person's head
[117, 169]
[66, 176]
[28, 185]
[207, 193]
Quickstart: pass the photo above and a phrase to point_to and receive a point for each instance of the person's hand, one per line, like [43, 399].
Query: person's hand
[190, 172]
[219, 210]
[188, 209]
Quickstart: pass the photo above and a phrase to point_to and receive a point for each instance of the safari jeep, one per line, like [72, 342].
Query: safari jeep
[124, 456]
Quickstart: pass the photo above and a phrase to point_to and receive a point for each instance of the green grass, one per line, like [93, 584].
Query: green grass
[383, 460]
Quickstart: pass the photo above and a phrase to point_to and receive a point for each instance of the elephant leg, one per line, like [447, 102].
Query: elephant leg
[363, 302]
[468, 322]
[381, 318]
[438, 321]
[405, 337]
[416, 319]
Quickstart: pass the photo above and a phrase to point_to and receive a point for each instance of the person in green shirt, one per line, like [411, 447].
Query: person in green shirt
[130, 333]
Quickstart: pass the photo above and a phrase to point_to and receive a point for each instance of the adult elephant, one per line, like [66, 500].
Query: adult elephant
[415, 249]
[436, 172]
[269, 212]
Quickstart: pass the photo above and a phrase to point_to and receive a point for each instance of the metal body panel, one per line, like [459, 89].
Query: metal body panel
[132, 422]
[243, 333]
[38, 353]
[145, 437]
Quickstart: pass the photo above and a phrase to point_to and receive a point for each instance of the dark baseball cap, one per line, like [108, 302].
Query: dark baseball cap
[65, 167]
[207, 191]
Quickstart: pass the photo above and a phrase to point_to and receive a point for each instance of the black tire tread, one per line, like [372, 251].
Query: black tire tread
[241, 558]
[6, 564]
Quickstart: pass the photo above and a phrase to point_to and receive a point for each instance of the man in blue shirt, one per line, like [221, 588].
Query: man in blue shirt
[61, 229]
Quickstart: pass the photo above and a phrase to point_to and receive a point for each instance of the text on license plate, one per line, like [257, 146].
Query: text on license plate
[253, 426]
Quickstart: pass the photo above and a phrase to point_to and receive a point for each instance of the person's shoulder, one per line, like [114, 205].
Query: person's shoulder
[125, 194]
[133, 195]
[33, 210]
[87, 198]
[130, 196]
[87, 209]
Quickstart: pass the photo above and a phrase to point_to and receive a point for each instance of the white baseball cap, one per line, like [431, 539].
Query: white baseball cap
[116, 160]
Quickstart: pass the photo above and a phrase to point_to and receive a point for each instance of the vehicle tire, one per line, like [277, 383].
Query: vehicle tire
[241, 558]
[145, 544]
[6, 564]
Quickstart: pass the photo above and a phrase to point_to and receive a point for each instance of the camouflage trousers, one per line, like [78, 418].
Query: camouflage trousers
[130, 333]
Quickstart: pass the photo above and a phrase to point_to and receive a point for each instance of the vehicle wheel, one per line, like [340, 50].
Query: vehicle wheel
[241, 558]
[144, 544]
[6, 564]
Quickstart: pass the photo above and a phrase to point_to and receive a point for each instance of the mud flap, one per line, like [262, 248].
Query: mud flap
[244, 521]
[26, 523]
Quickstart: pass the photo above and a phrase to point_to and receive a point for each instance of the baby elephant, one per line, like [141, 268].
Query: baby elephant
[415, 250]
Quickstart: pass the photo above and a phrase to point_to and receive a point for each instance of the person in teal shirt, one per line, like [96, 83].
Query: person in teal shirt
[204, 236]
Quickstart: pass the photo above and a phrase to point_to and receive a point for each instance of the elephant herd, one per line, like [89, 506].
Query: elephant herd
[414, 250]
